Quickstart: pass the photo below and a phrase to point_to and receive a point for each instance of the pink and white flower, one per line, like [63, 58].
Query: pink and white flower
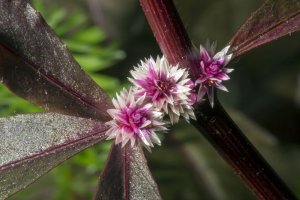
[213, 72]
[167, 87]
[134, 120]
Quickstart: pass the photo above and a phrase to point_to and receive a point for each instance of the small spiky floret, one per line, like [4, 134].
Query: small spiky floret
[167, 87]
[134, 120]
[213, 71]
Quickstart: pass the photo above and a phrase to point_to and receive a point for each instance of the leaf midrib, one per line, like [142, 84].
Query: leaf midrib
[51, 79]
[53, 149]
[247, 42]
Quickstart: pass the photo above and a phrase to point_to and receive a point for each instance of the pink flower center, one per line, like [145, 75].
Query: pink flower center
[210, 83]
[212, 69]
[131, 119]
[135, 119]
[165, 86]
[211, 66]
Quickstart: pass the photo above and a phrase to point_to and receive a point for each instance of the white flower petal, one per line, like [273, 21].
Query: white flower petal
[222, 87]
[210, 94]
[221, 53]
[155, 139]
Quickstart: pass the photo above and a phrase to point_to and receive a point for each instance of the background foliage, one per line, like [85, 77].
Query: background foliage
[264, 97]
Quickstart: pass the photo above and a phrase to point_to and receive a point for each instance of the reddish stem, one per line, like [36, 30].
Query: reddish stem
[214, 124]
[170, 33]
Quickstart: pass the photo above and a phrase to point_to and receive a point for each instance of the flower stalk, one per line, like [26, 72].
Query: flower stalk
[214, 123]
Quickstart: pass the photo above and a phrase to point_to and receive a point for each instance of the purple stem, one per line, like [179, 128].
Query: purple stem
[214, 123]
[170, 33]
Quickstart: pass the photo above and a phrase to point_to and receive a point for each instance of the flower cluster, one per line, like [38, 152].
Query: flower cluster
[213, 71]
[167, 87]
[134, 120]
[161, 94]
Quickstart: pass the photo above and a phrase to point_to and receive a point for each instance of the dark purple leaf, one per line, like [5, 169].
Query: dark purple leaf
[127, 176]
[274, 19]
[37, 66]
[31, 145]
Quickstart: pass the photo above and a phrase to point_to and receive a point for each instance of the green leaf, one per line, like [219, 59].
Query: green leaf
[92, 35]
[79, 47]
[57, 16]
[74, 21]
[106, 82]
[91, 63]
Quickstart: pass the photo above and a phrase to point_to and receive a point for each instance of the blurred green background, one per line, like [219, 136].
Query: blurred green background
[108, 37]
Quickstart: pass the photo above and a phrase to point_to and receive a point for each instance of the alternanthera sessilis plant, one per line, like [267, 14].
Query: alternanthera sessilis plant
[36, 65]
